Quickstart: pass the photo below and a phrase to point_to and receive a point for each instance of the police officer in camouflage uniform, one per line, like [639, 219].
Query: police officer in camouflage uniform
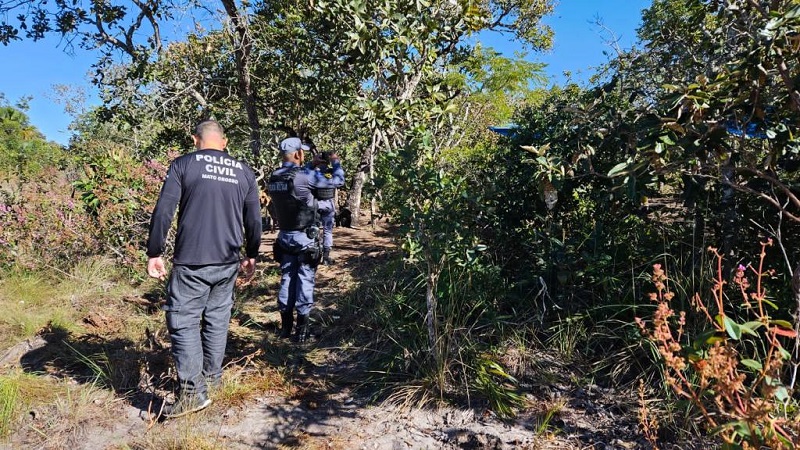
[294, 189]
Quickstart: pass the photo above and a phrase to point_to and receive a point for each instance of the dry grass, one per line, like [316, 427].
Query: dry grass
[55, 412]
[51, 413]
[186, 438]
[304, 441]
[61, 299]
[242, 383]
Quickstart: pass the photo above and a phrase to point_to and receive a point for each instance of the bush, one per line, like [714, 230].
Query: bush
[41, 224]
[734, 370]
[119, 193]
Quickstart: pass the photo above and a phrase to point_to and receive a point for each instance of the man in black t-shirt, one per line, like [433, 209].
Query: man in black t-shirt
[218, 209]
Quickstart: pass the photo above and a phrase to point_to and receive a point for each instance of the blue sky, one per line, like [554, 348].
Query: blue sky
[34, 68]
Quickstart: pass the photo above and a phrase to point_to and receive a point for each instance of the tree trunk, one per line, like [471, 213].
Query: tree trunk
[354, 197]
[431, 283]
[729, 215]
[243, 45]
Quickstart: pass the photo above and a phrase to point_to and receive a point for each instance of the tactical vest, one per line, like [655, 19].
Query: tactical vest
[293, 214]
[323, 193]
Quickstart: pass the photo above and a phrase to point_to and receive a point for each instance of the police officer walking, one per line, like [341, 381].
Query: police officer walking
[295, 189]
[327, 205]
[218, 209]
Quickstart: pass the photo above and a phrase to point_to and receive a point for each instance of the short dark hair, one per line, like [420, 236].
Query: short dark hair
[208, 126]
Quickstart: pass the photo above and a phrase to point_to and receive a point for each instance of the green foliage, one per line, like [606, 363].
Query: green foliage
[419, 194]
[24, 152]
[119, 193]
[498, 387]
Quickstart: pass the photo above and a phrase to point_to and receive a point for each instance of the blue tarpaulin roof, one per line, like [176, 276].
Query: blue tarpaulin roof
[505, 130]
[752, 130]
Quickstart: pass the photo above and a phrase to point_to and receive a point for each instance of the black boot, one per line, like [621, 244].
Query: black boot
[326, 257]
[301, 333]
[286, 324]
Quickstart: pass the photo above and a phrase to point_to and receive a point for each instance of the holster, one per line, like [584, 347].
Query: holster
[277, 251]
[313, 254]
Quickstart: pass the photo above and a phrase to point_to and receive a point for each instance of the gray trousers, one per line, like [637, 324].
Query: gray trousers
[198, 312]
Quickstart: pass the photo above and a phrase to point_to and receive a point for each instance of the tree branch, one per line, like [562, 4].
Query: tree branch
[762, 196]
[786, 190]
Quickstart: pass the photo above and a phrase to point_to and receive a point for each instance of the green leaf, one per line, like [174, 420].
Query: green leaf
[707, 338]
[753, 325]
[732, 328]
[617, 169]
[770, 303]
[752, 364]
[750, 327]
[666, 139]
[781, 323]
[781, 394]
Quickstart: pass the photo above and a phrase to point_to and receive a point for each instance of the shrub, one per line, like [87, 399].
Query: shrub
[119, 193]
[41, 225]
[733, 372]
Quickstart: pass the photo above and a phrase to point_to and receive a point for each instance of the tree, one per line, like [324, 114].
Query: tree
[406, 46]
[132, 33]
[24, 151]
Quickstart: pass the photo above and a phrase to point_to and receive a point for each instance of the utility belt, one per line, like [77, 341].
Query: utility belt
[311, 255]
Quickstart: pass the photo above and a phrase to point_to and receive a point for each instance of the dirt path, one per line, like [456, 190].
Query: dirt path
[319, 411]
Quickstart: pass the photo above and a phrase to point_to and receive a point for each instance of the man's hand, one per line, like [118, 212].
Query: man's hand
[155, 268]
[248, 268]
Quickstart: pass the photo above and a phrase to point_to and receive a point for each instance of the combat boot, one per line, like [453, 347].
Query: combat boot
[286, 324]
[302, 332]
[326, 257]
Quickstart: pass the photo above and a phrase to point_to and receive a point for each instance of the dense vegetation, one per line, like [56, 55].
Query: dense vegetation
[667, 184]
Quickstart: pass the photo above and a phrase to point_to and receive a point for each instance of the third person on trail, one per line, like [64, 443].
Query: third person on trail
[295, 189]
[327, 204]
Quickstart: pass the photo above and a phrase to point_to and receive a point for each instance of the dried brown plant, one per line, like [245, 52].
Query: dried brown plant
[736, 388]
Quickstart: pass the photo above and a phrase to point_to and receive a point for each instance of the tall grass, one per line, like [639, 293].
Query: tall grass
[9, 392]
[90, 278]
[473, 319]
[99, 364]
[32, 300]
[29, 302]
